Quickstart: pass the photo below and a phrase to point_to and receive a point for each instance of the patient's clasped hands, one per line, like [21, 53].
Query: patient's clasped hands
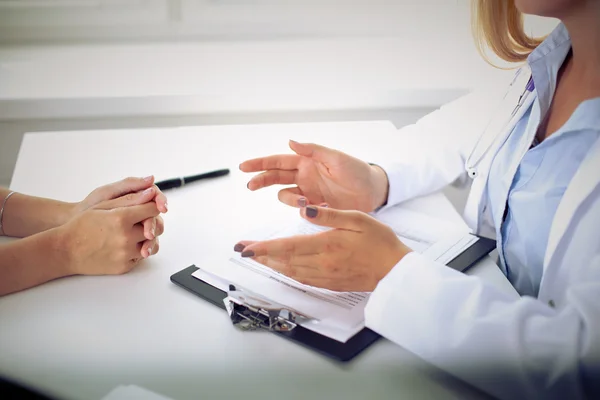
[113, 228]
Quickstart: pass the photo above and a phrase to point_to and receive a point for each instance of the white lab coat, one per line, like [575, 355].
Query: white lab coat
[547, 347]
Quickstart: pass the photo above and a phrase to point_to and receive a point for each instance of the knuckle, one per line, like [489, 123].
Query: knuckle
[122, 255]
[356, 217]
[153, 209]
[118, 219]
[123, 244]
[160, 228]
[259, 180]
[329, 217]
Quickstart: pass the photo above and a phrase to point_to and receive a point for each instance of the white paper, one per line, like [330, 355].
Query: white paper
[338, 315]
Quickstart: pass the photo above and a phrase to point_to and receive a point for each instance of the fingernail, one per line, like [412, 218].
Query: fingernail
[324, 205]
[249, 253]
[166, 206]
[148, 191]
[149, 251]
[248, 185]
[240, 167]
[153, 232]
[311, 212]
[148, 178]
[302, 202]
[238, 248]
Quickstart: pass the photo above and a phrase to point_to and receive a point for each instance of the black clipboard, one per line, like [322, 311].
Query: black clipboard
[328, 347]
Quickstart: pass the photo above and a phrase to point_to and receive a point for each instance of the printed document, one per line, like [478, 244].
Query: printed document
[338, 315]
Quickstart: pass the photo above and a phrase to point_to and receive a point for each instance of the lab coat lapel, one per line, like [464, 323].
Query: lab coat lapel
[479, 209]
[585, 180]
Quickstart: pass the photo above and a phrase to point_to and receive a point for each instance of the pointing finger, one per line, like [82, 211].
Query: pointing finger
[282, 162]
[270, 178]
[149, 228]
[160, 226]
[136, 214]
[125, 186]
[161, 200]
[128, 200]
[287, 247]
[293, 197]
[332, 218]
[240, 246]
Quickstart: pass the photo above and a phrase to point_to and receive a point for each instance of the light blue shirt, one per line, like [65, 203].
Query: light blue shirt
[526, 183]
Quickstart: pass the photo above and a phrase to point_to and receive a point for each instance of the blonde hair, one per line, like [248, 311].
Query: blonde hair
[498, 25]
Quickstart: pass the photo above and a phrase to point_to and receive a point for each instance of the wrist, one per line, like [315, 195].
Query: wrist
[381, 186]
[399, 251]
[62, 246]
[65, 212]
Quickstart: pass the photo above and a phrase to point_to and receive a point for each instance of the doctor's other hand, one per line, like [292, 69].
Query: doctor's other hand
[109, 238]
[353, 256]
[321, 175]
[127, 191]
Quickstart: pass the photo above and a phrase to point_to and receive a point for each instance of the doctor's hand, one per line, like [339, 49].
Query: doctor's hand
[353, 256]
[109, 238]
[321, 175]
[129, 190]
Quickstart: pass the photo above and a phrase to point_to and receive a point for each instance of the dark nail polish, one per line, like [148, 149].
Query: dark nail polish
[238, 248]
[302, 202]
[249, 253]
[311, 212]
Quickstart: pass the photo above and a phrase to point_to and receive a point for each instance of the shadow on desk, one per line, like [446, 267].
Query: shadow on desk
[10, 390]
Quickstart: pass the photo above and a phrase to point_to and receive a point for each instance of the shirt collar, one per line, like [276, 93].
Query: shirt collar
[555, 42]
[545, 62]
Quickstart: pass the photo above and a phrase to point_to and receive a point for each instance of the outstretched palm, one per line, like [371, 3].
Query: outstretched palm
[321, 175]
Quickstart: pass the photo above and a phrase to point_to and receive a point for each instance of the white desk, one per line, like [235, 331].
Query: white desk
[80, 337]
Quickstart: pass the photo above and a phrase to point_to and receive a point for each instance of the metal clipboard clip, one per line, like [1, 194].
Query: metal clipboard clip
[250, 312]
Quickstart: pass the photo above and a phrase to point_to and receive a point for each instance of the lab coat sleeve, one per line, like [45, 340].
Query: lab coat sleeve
[426, 156]
[509, 348]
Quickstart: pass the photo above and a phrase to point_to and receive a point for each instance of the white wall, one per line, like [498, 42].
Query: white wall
[230, 61]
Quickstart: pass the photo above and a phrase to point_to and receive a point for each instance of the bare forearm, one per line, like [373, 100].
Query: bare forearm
[32, 261]
[27, 215]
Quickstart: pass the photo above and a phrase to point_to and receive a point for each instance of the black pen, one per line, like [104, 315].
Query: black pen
[178, 182]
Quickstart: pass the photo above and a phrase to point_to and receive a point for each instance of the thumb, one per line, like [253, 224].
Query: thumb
[130, 199]
[316, 152]
[332, 218]
[126, 186]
